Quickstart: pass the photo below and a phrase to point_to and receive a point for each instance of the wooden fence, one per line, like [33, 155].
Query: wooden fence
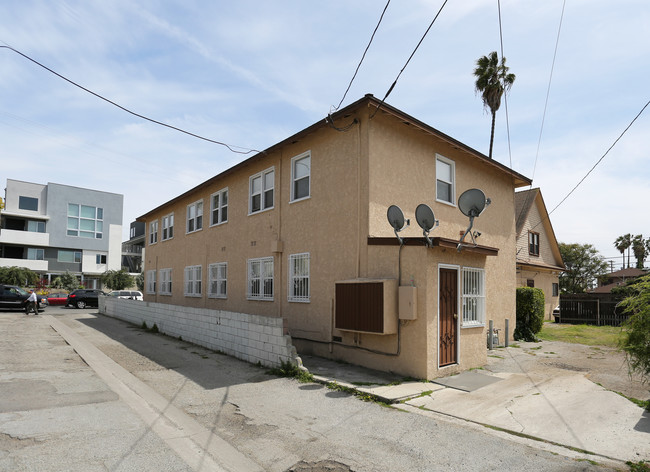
[592, 309]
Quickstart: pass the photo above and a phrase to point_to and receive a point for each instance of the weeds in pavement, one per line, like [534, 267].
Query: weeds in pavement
[641, 466]
[288, 369]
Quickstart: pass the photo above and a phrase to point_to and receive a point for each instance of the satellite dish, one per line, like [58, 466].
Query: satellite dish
[427, 221]
[471, 203]
[396, 220]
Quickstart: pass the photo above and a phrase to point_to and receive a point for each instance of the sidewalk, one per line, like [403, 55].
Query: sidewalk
[556, 406]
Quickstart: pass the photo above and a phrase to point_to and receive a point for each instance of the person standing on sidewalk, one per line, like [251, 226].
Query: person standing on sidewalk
[32, 302]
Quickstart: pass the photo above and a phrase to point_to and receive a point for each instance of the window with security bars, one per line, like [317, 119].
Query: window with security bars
[193, 276]
[473, 297]
[151, 281]
[260, 279]
[218, 277]
[299, 277]
[165, 281]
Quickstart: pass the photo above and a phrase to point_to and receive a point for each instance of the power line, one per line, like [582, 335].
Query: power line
[409, 59]
[230, 147]
[362, 57]
[600, 160]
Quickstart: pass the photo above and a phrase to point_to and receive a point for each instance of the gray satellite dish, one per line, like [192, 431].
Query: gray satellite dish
[427, 221]
[471, 203]
[396, 220]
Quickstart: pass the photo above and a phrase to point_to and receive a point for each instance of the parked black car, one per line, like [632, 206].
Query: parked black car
[15, 298]
[84, 297]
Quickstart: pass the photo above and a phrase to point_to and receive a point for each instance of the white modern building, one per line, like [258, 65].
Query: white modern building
[55, 228]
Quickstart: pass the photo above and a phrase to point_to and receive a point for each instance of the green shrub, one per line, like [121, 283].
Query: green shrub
[530, 313]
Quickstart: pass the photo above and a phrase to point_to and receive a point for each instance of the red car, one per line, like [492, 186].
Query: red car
[57, 298]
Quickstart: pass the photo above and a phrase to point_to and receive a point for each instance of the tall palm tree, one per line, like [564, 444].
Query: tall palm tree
[492, 81]
[640, 251]
[622, 243]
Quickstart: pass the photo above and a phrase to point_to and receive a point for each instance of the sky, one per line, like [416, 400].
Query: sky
[252, 73]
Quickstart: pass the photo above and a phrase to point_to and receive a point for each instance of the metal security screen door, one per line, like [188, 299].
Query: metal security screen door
[448, 317]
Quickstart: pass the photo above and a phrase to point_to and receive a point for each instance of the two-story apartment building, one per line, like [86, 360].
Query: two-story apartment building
[300, 231]
[55, 228]
[539, 262]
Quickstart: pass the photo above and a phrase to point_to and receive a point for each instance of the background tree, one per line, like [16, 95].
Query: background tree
[583, 265]
[492, 81]
[622, 243]
[69, 281]
[640, 250]
[20, 276]
[139, 281]
[117, 279]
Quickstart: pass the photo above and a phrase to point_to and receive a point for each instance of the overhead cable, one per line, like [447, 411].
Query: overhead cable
[599, 160]
[409, 59]
[362, 57]
[230, 147]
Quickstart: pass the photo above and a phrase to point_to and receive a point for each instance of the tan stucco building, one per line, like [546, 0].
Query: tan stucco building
[539, 262]
[300, 232]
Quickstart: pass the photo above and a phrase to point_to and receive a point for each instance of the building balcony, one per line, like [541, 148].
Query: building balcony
[36, 266]
[24, 238]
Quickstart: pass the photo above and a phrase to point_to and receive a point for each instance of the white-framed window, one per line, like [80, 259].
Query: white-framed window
[193, 278]
[168, 227]
[261, 191]
[260, 279]
[218, 280]
[301, 176]
[151, 281]
[299, 277]
[165, 276]
[85, 221]
[35, 254]
[153, 232]
[219, 207]
[68, 256]
[473, 290]
[195, 216]
[445, 180]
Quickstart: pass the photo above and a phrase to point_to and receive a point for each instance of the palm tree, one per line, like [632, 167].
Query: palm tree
[492, 81]
[622, 243]
[640, 251]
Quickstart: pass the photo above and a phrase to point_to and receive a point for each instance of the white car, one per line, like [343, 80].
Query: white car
[128, 294]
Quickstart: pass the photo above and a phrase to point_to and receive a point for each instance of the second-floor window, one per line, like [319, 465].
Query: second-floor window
[219, 207]
[36, 226]
[445, 180]
[195, 216]
[300, 176]
[168, 227]
[261, 191]
[35, 254]
[68, 256]
[153, 232]
[533, 243]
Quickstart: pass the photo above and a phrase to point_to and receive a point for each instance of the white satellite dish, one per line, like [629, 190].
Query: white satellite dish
[427, 221]
[396, 220]
[471, 203]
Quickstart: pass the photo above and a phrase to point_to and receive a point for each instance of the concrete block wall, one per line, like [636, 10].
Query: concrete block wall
[251, 338]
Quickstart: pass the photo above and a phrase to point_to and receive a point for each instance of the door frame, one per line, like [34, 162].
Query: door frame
[457, 268]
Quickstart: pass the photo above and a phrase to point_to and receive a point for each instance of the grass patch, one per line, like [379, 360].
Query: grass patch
[366, 397]
[641, 466]
[287, 369]
[496, 357]
[581, 334]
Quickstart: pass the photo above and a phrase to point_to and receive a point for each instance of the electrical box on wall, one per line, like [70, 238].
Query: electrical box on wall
[407, 304]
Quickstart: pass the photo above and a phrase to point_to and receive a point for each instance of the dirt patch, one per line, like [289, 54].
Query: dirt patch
[602, 365]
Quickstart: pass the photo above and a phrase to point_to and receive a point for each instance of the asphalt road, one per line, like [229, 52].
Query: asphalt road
[139, 401]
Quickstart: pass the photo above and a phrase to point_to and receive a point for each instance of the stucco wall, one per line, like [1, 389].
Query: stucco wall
[252, 338]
